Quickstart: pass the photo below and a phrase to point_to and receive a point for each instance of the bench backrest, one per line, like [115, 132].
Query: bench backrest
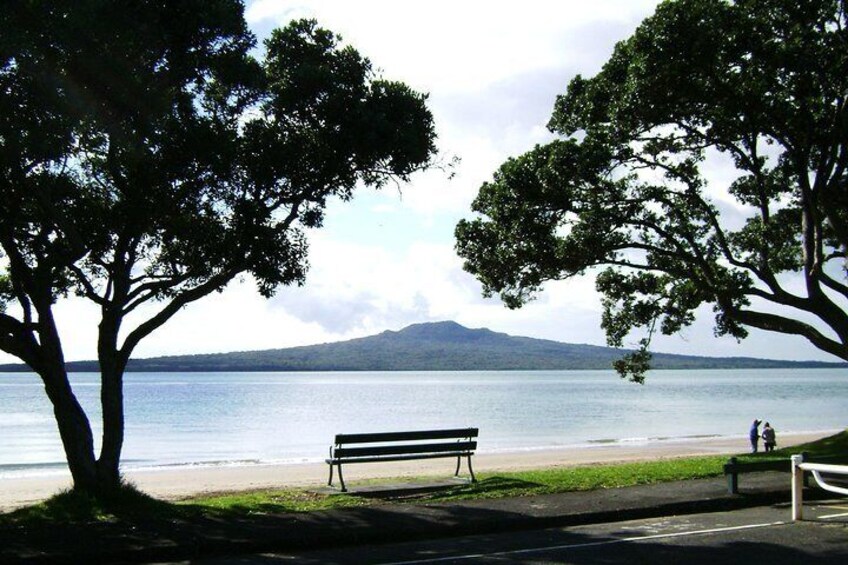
[391, 446]
[421, 435]
[756, 466]
[740, 467]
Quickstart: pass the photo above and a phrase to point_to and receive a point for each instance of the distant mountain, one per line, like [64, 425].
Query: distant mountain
[441, 346]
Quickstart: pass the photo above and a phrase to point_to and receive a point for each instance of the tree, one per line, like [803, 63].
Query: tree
[758, 86]
[147, 159]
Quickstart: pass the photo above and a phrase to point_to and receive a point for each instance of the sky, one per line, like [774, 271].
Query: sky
[386, 260]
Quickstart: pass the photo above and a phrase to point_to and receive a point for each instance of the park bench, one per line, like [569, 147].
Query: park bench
[733, 468]
[402, 446]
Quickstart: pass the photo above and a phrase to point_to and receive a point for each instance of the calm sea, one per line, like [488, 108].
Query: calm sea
[177, 419]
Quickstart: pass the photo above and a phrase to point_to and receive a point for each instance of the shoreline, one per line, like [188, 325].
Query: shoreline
[172, 483]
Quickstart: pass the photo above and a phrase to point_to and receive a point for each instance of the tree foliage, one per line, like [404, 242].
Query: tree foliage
[758, 86]
[147, 159]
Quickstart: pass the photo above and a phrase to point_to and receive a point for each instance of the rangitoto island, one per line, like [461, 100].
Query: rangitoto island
[436, 346]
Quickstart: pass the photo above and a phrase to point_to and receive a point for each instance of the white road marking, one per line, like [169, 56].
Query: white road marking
[582, 545]
[832, 507]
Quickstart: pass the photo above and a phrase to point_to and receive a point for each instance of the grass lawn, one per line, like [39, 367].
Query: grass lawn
[133, 505]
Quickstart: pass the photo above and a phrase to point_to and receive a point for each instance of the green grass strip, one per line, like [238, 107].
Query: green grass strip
[131, 504]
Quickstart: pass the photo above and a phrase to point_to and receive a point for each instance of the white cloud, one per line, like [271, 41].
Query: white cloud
[358, 289]
[457, 46]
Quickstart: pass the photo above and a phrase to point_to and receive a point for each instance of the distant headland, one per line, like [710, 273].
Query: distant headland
[438, 346]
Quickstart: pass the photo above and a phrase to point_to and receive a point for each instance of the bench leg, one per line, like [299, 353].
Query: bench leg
[733, 483]
[341, 479]
[732, 477]
[330, 482]
[470, 470]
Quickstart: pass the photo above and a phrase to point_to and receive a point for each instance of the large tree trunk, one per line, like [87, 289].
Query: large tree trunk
[112, 365]
[98, 477]
[112, 403]
[74, 429]
[74, 426]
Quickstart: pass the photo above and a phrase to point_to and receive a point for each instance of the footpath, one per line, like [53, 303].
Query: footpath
[132, 541]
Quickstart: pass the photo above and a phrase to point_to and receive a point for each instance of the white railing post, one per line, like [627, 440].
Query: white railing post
[797, 488]
[798, 468]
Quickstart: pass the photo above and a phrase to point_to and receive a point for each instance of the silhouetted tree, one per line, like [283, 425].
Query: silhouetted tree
[763, 83]
[147, 158]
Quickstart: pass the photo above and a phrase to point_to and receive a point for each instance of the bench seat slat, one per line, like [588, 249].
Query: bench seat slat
[420, 435]
[756, 466]
[421, 448]
[398, 457]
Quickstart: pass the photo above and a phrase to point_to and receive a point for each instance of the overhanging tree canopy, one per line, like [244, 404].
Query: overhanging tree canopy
[146, 158]
[761, 83]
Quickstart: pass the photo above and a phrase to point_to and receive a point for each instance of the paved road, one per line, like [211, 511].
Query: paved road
[750, 536]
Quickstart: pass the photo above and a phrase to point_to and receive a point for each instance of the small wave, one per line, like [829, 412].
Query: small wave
[57, 468]
[156, 467]
[218, 463]
[131, 384]
[25, 470]
[655, 439]
[25, 419]
[27, 466]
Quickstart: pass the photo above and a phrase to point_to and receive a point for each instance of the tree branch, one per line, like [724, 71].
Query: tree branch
[146, 328]
[775, 323]
[89, 289]
[16, 338]
[834, 285]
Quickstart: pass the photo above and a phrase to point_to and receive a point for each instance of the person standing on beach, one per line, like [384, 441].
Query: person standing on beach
[754, 434]
[769, 438]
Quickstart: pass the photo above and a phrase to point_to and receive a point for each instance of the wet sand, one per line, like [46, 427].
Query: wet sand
[182, 482]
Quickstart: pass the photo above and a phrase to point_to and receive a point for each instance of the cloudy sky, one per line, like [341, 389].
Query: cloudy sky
[386, 260]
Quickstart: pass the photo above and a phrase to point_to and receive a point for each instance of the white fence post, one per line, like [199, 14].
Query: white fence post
[797, 488]
[798, 468]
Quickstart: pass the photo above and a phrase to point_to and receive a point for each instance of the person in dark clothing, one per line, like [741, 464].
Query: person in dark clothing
[754, 434]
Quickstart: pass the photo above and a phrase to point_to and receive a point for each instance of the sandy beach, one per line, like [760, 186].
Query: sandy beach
[186, 481]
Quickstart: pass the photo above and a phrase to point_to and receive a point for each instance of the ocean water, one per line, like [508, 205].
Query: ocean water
[175, 419]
